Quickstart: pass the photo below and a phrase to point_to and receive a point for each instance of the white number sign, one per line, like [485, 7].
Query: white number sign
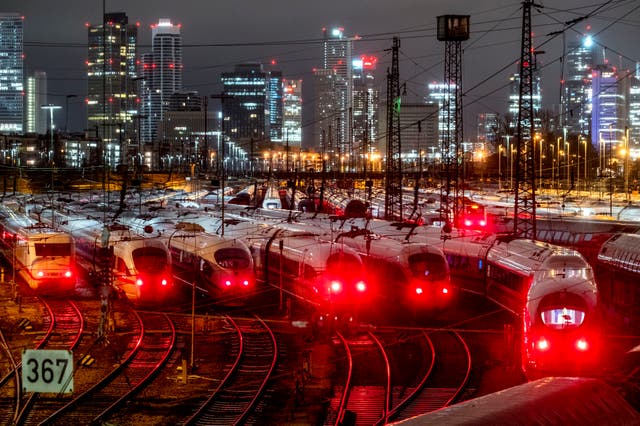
[47, 371]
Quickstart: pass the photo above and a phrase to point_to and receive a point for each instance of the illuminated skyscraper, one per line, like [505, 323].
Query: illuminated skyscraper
[334, 87]
[487, 130]
[575, 111]
[514, 101]
[111, 93]
[439, 94]
[161, 73]
[11, 73]
[292, 106]
[365, 104]
[275, 106]
[246, 114]
[634, 113]
[608, 118]
[35, 118]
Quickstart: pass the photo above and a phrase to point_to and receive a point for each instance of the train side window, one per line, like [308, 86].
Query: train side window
[588, 237]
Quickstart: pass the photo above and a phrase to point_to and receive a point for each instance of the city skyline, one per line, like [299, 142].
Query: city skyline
[297, 49]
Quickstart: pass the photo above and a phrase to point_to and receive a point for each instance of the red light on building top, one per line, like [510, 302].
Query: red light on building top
[86, 100]
[369, 62]
[171, 66]
[525, 64]
[137, 23]
[110, 100]
[273, 62]
[86, 24]
[179, 25]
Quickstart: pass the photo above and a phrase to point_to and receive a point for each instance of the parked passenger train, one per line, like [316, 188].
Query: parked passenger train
[221, 266]
[552, 289]
[140, 268]
[41, 255]
[421, 279]
[618, 271]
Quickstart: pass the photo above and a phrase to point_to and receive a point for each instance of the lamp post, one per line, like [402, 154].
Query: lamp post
[51, 108]
[499, 167]
[586, 183]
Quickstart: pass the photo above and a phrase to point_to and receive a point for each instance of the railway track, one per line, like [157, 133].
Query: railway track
[67, 326]
[153, 341]
[255, 354]
[391, 376]
[62, 327]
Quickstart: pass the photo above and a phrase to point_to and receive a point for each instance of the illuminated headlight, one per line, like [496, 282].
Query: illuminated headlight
[164, 282]
[361, 286]
[245, 283]
[227, 283]
[67, 274]
[467, 222]
[483, 223]
[139, 282]
[40, 274]
[445, 290]
[419, 290]
[335, 286]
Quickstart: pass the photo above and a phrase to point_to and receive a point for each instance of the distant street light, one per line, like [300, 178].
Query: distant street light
[51, 108]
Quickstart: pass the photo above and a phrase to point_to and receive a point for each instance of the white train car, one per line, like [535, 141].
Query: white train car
[618, 270]
[552, 289]
[329, 276]
[41, 255]
[220, 266]
[140, 268]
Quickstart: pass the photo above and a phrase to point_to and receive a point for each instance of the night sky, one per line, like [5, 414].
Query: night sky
[290, 32]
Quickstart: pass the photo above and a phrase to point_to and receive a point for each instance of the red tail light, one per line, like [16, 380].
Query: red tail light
[68, 274]
[361, 286]
[445, 290]
[543, 344]
[164, 281]
[483, 223]
[139, 282]
[582, 344]
[419, 290]
[335, 286]
[467, 222]
[40, 274]
[245, 283]
[227, 283]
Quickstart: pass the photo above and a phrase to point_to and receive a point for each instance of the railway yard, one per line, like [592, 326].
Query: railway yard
[200, 316]
[286, 374]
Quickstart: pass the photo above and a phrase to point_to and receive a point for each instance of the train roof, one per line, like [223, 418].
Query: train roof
[552, 400]
[528, 256]
[623, 251]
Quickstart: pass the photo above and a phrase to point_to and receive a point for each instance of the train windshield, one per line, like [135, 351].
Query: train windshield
[53, 249]
[562, 318]
[428, 266]
[566, 267]
[150, 259]
[232, 258]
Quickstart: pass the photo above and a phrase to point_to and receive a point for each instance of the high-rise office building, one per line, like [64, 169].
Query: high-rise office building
[292, 112]
[246, 112]
[161, 73]
[608, 116]
[634, 113]
[112, 92]
[514, 101]
[365, 105]
[335, 112]
[487, 130]
[11, 73]
[439, 94]
[35, 118]
[575, 113]
[275, 106]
